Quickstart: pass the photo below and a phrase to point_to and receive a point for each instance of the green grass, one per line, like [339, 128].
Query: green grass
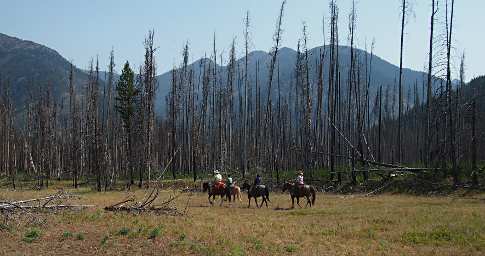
[194, 246]
[124, 231]
[67, 234]
[31, 235]
[337, 225]
[291, 248]
[256, 243]
[5, 227]
[155, 232]
[444, 235]
[237, 251]
[104, 240]
[80, 236]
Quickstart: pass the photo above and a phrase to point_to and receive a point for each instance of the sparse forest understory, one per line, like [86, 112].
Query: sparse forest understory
[351, 131]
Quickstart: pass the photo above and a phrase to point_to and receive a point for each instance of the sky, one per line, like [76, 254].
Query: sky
[81, 30]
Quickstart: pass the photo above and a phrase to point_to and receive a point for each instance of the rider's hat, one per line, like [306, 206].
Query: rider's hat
[216, 172]
[300, 172]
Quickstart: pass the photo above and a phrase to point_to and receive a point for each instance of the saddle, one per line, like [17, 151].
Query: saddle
[219, 185]
[301, 187]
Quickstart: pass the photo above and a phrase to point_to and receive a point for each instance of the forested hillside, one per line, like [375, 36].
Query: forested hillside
[30, 69]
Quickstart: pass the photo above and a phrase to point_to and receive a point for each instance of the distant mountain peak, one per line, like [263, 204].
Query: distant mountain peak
[28, 65]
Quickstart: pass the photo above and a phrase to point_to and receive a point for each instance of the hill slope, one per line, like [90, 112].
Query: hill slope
[26, 64]
[383, 73]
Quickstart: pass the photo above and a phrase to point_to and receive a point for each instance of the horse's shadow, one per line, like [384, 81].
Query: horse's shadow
[219, 206]
[283, 209]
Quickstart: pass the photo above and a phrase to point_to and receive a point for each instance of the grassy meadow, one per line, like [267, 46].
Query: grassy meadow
[337, 225]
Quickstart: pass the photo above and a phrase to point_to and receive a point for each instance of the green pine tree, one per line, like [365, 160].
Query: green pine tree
[126, 106]
[127, 94]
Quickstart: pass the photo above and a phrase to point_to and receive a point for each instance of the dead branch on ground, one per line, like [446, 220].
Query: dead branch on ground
[146, 205]
[52, 202]
[30, 211]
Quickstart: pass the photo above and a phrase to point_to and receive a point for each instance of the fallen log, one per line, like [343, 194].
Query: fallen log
[43, 203]
[379, 189]
[397, 170]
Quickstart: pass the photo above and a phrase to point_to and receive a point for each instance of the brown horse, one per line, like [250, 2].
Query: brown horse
[235, 192]
[300, 191]
[213, 192]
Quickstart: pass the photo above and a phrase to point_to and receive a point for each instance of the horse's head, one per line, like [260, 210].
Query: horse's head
[287, 186]
[245, 185]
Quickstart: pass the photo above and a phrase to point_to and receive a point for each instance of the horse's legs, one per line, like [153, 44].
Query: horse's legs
[210, 202]
[308, 202]
[292, 202]
[266, 201]
[256, 200]
[238, 194]
[249, 205]
[298, 201]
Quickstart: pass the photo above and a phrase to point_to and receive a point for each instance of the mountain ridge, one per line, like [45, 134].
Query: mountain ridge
[24, 62]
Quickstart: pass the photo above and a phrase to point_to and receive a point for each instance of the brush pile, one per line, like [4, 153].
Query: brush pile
[55, 202]
[148, 205]
[31, 211]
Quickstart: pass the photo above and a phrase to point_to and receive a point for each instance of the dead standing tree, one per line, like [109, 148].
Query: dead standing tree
[149, 81]
[399, 128]
[333, 82]
[246, 88]
[7, 132]
[274, 54]
[451, 125]
[352, 85]
[74, 131]
[429, 90]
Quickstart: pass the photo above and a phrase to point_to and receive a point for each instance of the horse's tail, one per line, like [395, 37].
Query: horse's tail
[314, 194]
[266, 190]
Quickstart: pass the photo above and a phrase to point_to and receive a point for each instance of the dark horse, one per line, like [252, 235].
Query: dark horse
[300, 191]
[213, 192]
[255, 192]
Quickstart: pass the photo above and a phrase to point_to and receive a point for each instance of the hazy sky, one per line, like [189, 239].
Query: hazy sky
[80, 30]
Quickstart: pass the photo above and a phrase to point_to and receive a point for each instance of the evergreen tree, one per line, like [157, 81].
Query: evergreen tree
[126, 106]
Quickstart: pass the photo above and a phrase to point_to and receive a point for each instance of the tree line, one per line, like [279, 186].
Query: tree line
[107, 132]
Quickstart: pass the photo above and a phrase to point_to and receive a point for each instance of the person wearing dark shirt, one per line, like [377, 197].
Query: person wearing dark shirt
[257, 180]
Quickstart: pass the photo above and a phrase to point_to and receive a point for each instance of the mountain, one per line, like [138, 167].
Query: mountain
[382, 72]
[24, 63]
[30, 66]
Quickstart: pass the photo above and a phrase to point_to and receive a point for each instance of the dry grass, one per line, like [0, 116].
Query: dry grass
[338, 225]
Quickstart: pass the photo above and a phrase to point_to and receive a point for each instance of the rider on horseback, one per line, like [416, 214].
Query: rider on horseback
[257, 180]
[230, 182]
[299, 179]
[218, 183]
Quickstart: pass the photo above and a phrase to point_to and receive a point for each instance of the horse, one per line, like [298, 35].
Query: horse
[213, 192]
[300, 191]
[255, 192]
[235, 192]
